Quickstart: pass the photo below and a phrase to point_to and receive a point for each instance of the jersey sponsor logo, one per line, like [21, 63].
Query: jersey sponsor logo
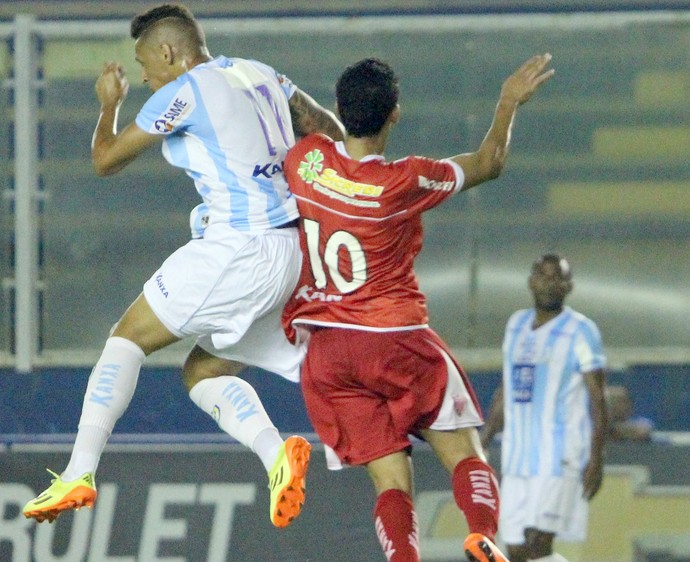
[434, 185]
[309, 170]
[267, 170]
[328, 182]
[309, 294]
[165, 123]
[523, 382]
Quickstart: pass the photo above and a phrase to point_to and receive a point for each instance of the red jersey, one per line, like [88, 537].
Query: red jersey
[360, 231]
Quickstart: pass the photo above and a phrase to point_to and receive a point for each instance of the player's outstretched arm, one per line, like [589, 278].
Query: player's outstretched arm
[488, 161]
[310, 117]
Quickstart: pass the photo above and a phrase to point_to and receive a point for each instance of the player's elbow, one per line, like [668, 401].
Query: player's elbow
[101, 170]
[491, 166]
[101, 166]
[496, 163]
[495, 170]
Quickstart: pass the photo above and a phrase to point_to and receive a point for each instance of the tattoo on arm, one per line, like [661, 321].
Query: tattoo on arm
[309, 117]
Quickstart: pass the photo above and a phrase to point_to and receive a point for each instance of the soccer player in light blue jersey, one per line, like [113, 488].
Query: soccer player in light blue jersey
[551, 408]
[228, 123]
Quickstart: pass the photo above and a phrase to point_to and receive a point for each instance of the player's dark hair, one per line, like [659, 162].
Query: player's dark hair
[367, 93]
[144, 21]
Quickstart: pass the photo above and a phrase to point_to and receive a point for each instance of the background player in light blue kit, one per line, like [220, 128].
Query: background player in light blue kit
[552, 410]
[229, 124]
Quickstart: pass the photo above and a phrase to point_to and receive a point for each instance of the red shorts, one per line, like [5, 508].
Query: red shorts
[366, 392]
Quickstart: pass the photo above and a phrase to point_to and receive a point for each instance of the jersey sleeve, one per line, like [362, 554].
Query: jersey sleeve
[168, 110]
[459, 173]
[589, 348]
[432, 181]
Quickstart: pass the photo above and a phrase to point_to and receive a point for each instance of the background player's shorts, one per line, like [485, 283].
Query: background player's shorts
[229, 289]
[365, 391]
[548, 503]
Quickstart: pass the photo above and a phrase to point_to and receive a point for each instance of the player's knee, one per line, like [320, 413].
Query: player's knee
[384, 485]
[188, 378]
[193, 371]
[391, 472]
[454, 446]
[201, 365]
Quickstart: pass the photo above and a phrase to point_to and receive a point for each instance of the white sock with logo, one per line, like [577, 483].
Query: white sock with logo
[110, 389]
[238, 411]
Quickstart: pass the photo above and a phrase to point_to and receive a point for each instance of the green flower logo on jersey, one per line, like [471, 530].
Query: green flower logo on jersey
[310, 169]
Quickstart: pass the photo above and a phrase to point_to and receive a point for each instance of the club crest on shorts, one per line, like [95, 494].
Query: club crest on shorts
[459, 404]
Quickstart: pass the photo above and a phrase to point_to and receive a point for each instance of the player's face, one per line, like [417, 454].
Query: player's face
[156, 71]
[550, 282]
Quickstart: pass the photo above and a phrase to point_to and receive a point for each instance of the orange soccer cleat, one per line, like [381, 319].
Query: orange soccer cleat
[479, 548]
[286, 480]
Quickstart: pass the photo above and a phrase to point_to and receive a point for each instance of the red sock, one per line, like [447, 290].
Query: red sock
[396, 526]
[476, 492]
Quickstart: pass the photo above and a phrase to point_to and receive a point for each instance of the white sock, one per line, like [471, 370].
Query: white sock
[553, 557]
[111, 386]
[238, 411]
[266, 446]
[86, 452]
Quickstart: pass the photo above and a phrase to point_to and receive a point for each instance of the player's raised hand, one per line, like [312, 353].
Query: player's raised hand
[112, 85]
[526, 80]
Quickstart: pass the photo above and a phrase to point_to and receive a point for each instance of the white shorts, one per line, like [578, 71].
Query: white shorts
[458, 409]
[229, 289]
[547, 503]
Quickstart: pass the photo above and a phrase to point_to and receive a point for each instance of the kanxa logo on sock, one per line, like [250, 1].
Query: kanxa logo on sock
[482, 491]
[386, 543]
[103, 392]
[239, 400]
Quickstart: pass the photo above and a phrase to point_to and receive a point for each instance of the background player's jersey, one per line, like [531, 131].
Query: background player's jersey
[547, 426]
[361, 232]
[227, 124]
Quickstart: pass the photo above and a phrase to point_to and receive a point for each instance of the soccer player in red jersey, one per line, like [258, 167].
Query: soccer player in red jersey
[375, 372]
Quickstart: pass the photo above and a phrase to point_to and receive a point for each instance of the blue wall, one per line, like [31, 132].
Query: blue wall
[49, 400]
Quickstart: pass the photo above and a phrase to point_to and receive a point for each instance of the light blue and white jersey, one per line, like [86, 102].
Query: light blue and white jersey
[227, 124]
[547, 425]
